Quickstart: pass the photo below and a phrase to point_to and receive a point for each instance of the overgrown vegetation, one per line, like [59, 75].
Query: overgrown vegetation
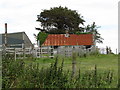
[41, 37]
[78, 33]
[18, 74]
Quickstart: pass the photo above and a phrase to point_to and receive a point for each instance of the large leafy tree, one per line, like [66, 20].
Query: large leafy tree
[59, 19]
[93, 29]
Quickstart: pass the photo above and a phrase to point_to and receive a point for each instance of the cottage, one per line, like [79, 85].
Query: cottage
[59, 41]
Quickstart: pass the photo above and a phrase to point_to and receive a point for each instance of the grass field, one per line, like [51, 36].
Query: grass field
[103, 63]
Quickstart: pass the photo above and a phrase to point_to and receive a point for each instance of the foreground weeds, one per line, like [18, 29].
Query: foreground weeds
[18, 75]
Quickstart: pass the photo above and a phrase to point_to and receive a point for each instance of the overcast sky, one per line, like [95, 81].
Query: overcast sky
[21, 15]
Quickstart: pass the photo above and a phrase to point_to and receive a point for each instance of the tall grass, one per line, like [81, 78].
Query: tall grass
[16, 74]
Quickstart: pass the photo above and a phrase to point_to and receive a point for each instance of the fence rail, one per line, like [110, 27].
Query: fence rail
[80, 50]
[25, 52]
[49, 51]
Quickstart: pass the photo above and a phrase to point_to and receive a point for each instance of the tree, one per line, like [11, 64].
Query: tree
[42, 37]
[59, 19]
[93, 29]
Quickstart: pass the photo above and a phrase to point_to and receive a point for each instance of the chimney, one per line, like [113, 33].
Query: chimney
[5, 34]
[5, 27]
[67, 34]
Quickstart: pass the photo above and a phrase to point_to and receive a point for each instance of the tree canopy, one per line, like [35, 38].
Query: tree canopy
[59, 19]
[93, 29]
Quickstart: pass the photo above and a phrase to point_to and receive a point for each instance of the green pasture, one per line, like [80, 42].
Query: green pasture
[103, 62]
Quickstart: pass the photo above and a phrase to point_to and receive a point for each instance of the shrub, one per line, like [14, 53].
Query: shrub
[11, 69]
[18, 75]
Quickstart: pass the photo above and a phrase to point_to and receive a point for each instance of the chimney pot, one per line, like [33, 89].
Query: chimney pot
[5, 27]
[5, 34]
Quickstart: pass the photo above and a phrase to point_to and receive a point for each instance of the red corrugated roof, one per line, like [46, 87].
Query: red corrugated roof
[61, 40]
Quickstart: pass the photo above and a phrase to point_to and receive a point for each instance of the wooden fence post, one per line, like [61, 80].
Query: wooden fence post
[116, 51]
[24, 53]
[41, 51]
[48, 51]
[57, 51]
[15, 53]
[73, 63]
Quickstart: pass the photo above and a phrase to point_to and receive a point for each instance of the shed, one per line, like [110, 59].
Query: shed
[16, 40]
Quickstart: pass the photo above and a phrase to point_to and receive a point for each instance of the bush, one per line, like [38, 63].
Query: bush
[11, 70]
[18, 75]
